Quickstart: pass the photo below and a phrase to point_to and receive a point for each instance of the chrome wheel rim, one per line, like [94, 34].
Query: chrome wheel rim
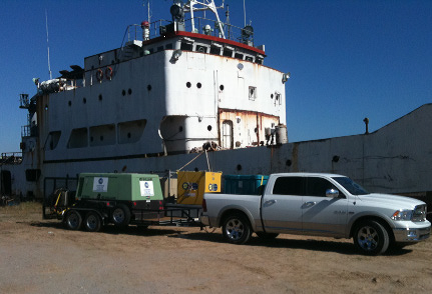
[92, 222]
[73, 220]
[367, 238]
[234, 229]
[118, 216]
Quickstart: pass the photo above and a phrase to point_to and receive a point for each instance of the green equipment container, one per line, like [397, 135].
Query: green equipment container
[119, 187]
[244, 184]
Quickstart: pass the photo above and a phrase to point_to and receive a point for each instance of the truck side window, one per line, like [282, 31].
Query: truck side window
[318, 187]
[289, 186]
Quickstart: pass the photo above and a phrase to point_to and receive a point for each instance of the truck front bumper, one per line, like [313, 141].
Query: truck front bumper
[411, 234]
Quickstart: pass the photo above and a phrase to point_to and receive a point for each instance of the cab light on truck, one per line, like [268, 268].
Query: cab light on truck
[402, 215]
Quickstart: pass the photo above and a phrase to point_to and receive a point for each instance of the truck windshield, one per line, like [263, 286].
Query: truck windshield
[351, 186]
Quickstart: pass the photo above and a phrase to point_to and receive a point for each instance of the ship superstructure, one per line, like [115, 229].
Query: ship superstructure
[174, 87]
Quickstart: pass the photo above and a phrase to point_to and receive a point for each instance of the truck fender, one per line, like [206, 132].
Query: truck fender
[369, 215]
[231, 209]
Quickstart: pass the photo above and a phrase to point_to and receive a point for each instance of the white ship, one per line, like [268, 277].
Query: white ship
[195, 94]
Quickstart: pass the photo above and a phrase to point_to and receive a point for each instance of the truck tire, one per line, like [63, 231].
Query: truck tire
[267, 236]
[121, 215]
[371, 238]
[236, 229]
[92, 222]
[73, 220]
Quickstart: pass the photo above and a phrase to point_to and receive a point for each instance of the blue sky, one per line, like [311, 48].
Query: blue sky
[348, 59]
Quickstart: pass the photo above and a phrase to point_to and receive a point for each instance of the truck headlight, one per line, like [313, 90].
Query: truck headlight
[402, 215]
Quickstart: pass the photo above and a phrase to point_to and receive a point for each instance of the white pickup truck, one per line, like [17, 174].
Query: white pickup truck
[320, 205]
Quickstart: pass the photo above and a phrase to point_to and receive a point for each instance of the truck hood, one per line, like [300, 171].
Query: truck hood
[390, 201]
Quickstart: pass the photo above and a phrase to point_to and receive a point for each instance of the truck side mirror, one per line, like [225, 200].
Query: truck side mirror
[332, 193]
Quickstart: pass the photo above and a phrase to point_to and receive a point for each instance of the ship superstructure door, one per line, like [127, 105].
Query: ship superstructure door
[227, 134]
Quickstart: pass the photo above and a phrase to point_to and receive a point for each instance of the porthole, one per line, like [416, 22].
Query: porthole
[101, 138]
[239, 167]
[196, 169]
[84, 100]
[271, 96]
[70, 103]
[130, 91]
[221, 87]
[209, 128]
[188, 84]
[149, 87]
[123, 92]
[129, 135]
[288, 163]
[180, 129]
[199, 85]
[100, 97]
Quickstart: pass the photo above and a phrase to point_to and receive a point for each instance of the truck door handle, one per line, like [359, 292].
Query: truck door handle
[310, 203]
[268, 202]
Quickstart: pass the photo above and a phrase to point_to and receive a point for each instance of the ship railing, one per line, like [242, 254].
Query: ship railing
[25, 131]
[202, 26]
[11, 158]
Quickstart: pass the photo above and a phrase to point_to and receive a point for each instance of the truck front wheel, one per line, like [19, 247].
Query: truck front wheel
[121, 215]
[371, 238]
[73, 220]
[236, 229]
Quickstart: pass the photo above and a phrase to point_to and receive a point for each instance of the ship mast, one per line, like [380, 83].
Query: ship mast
[205, 5]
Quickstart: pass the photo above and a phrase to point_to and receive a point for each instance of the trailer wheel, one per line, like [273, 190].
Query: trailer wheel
[121, 215]
[73, 220]
[92, 222]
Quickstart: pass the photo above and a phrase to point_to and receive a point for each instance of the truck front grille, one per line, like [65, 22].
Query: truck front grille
[419, 214]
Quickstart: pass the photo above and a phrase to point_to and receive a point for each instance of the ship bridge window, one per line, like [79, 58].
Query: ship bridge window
[239, 56]
[278, 98]
[52, 140]
[227, 52]
[103, 135]
[252, 93]
[131, 131]
[169, 46]
[216, 50]
[160, 48]
[78, 138]
[202, 49]
[186, 46]
[249, 58]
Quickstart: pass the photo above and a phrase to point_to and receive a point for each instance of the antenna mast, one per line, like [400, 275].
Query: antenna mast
[46, 24]
[244, 11]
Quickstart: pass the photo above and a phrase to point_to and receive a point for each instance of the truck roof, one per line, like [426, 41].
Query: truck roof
[306, 174]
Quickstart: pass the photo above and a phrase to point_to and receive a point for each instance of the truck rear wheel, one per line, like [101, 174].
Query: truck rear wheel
[73, 220]
[371, 238]
[92, 222]
[121, 215]
[236, 229]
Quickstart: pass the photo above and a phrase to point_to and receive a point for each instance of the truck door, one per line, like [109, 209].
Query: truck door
[281, 208]
[323, 215]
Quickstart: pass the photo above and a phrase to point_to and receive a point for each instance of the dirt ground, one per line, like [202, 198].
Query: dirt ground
[40, 256]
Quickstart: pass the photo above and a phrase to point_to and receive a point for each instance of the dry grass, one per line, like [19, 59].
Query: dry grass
[20, 211]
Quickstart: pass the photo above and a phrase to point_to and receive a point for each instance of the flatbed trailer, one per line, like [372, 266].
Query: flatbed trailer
[97, 203]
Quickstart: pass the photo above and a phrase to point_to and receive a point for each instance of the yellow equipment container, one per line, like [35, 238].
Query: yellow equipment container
[193, 185]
